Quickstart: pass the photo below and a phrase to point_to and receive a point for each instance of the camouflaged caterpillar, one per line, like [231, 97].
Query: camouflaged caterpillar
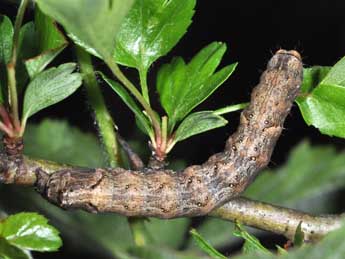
[198, 189]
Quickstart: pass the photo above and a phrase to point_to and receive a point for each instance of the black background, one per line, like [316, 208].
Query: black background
[253, 31]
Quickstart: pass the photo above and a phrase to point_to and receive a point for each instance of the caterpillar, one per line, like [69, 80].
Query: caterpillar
[198, 189]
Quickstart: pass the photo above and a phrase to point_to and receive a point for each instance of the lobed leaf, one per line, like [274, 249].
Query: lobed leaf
[336, 75]
[322, 101]
[189, 85]
[49, 87]
[312, 76]
[324, 108]
[91, 24]
[151, 29]
[30, 231]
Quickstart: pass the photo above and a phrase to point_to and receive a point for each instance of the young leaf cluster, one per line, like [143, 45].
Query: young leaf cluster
[149, 31]
[23, 69]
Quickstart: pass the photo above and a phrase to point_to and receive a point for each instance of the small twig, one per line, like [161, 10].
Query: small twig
[135, 160]
[278, 219]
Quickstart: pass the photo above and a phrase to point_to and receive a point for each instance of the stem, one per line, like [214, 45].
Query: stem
[6, 130]
[104, 120]
[277, 219]
[231, 108]
[143, 84]
[164, 132]
[128, 84]
[141, 236]
[11, 72]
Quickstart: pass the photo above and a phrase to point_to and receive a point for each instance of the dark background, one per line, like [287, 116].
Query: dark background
[253, 31]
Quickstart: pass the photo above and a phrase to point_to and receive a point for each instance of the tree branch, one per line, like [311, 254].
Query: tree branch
[277, 219]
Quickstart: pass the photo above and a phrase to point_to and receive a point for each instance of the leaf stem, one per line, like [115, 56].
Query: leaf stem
[104, 120]
[128, 84]
[231, 108]
[11, 66]
[140, 234]
[143, 84]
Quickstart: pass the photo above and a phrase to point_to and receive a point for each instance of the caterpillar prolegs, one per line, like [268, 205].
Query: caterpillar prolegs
[198, 189]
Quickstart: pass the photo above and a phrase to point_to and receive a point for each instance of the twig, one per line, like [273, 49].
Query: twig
[135, 160]
[278, 219]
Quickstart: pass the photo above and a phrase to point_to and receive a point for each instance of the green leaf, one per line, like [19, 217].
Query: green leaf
[30, 231]
[90, 23]
[151, 29]
[336, 76]
[182, 87]
[169, 233]
[330, 247]
[311, 172]
[6, 35]
[49, 87]
[157, 252]
[299, 236]
[8, 251]
[312, 77]
[324, 108]
[49, 43]
[28, 46]
[171, 81]
[251, 243]
[197, 123]
[62, 143]
[205, 246]
[322, 104]
[129, 101]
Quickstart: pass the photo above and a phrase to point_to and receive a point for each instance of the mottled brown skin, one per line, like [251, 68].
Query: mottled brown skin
[200, 188]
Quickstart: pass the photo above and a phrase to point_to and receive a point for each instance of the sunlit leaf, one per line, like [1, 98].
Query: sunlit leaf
[30, 231]
[151, 29]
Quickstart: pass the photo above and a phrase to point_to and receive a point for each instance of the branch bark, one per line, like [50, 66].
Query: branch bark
[277, 219]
